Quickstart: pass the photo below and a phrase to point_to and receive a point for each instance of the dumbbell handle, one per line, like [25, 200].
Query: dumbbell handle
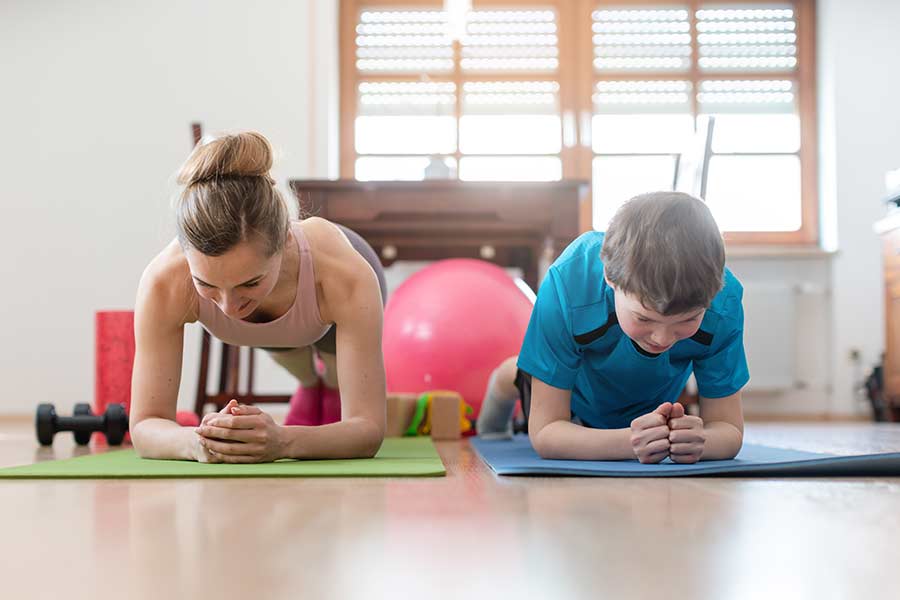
[80, 423]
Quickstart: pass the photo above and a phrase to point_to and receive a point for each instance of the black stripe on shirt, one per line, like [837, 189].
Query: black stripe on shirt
[590, 336]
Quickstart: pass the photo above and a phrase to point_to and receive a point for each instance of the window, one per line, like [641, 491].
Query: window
[612, 92]
[485, 108]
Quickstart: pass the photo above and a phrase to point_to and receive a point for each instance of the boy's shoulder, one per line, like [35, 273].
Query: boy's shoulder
[586, 245]
[579, 269]
[727, 303]
[725, 314]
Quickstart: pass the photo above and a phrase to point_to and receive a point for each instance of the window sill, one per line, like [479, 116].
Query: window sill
[888, 223]
[775, 251]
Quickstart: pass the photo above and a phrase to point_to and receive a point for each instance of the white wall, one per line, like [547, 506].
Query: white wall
[798, 288]
[97, 101]
[859, 62]
[858, 57]
[95, 112]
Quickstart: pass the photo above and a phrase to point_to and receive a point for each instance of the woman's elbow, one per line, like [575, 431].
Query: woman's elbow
[138, 438]
[140, 431]
[141, 446]
[371, 438]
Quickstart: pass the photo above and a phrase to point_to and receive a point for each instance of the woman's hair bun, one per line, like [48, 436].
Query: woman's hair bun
[246, 154]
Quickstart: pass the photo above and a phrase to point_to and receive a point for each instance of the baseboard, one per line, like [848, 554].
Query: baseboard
[16, 418]
[805, 418]
[748, 417]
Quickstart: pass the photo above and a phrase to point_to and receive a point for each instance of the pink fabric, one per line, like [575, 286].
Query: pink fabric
[331, 405]
[306, 406]
[300, 326]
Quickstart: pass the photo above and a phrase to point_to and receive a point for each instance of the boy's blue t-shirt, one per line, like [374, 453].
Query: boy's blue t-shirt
[574, 342]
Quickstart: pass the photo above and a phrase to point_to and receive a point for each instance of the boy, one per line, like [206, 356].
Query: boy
[620, 323]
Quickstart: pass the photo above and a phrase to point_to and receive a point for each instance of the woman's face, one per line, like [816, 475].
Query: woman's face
[652, 331]
[236, 281]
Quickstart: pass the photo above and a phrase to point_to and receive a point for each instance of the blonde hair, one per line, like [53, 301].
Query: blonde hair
[666, 249]
[229, 196]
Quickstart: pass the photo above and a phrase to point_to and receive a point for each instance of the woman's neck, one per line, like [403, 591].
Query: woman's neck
[280, 300]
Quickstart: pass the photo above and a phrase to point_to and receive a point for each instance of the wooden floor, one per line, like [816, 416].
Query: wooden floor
[468, 535]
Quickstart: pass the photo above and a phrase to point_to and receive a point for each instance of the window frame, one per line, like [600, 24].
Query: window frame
[577, 79]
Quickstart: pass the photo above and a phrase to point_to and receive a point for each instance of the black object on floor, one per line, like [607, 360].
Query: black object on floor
[83, 422]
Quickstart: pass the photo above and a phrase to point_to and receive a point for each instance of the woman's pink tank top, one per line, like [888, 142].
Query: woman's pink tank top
[300, 326]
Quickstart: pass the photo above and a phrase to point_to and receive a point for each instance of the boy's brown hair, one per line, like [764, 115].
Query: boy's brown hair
[665, 249]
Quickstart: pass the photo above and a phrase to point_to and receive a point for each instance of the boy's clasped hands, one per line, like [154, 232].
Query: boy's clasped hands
[668, 431]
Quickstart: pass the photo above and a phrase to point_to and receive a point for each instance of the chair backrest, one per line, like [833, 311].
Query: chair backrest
[229, 378]
[692, 167]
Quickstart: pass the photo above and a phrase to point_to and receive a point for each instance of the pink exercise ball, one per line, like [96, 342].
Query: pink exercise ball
[450, 325]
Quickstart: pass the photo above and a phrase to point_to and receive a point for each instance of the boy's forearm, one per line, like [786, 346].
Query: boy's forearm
[563, 440]
[353, 438]
[723, 441]
[569, 441]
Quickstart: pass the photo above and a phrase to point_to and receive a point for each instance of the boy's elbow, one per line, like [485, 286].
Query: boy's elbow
[728, 454]
[739, 443]
[544, 448]
[736, 443]
[725, 449]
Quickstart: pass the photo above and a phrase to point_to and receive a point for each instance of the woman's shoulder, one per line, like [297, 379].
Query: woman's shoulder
[320, 231]
[327, 242]
[340, 269]
[166, 288]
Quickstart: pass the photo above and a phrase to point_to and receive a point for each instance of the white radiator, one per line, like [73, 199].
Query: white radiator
[783, 328]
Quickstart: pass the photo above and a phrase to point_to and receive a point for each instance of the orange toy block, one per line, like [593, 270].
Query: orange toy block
[444, 415]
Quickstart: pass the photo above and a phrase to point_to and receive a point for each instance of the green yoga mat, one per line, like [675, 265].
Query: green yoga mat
[398, 457]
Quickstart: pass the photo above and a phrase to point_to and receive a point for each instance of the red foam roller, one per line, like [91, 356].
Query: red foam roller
[113, 358]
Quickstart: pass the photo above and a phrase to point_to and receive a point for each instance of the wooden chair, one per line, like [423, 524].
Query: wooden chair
[230, 364]
[229, 377]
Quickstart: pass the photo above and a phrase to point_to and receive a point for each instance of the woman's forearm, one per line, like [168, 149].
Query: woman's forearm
[723, 441]
[567, 440]
[352, 438]
[154, 437]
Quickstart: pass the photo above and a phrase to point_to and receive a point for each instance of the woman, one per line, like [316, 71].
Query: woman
[253, 277]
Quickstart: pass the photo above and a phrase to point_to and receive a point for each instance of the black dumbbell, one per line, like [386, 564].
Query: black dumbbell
[83, 422]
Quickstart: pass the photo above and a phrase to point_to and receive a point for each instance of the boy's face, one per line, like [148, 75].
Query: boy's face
[652, 331]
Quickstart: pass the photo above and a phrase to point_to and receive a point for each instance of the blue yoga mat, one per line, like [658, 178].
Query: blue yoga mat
[517, 457]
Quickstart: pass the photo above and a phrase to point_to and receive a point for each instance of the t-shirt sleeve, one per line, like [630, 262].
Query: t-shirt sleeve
[724, 371]
[549, 351]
